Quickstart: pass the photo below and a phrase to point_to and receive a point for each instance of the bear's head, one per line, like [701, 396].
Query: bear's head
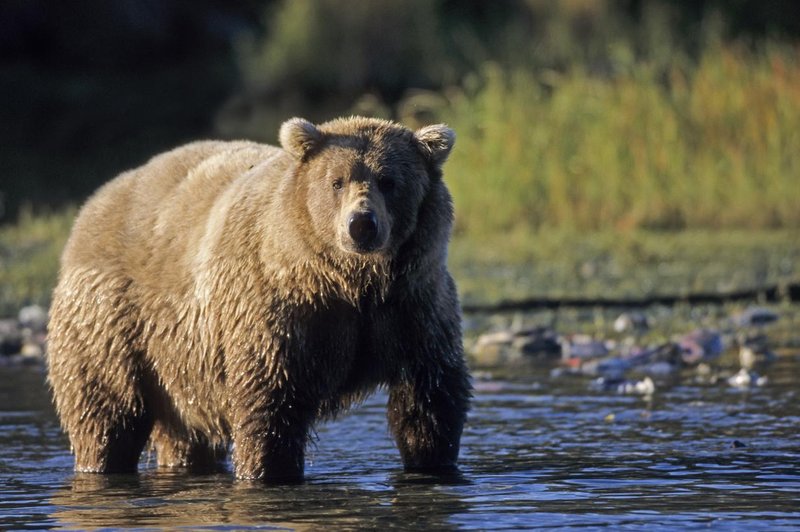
[363, 181]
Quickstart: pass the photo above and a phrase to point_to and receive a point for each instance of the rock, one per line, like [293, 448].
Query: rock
[665, 352]
[636, 322]
[494, 338]
[750, 358]
[32, 350]
[700, 345]
[703, 369]
[33, 317]
[660, 368]
[755, 317]
[537, 341]
[754, 351]
[582, 346]
[611, 368]
[25, 337]
[493, 355]
[645, 386]
[746, 379]
[706, 374]
[10, 337]
[654, 360]
[496, 347]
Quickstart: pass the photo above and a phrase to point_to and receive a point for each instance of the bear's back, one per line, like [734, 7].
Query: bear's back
[144, 222]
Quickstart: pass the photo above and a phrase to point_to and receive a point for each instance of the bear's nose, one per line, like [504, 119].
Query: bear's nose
[363, 228]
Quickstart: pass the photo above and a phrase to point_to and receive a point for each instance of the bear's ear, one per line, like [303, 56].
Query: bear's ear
[299, 137]
[436, 142]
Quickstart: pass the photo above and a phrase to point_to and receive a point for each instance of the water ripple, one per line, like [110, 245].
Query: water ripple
[537, 452]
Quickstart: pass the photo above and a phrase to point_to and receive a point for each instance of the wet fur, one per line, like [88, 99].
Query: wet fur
[204, 300]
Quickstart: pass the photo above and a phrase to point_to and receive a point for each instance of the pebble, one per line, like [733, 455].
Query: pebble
[749, 357]
[754, 351]
[10, 337]
[23, 340]
[582, 346]
[644, 387]
[33, 318]
[502, 346]
[637, 322]
[494, 338]
[537, 341]
[610, 360]
[755, 317]
[660, 369]
[700, 345]
[747, 379]
[32, 350]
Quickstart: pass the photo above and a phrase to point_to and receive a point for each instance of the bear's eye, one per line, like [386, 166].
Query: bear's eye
[386, 184]
[338, 184]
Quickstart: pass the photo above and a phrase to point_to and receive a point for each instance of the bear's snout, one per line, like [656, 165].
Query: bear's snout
[363, 229]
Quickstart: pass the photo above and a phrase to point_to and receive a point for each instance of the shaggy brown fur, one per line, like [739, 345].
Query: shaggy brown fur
[218, 294]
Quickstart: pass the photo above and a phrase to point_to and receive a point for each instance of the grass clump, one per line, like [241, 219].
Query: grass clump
[711, 145]
[29, 252]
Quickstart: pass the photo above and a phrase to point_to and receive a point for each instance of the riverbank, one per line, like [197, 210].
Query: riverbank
[508, 267]
[535, 296]
[621, 265]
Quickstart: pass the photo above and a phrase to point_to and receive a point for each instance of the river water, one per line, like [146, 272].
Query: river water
[538, 451]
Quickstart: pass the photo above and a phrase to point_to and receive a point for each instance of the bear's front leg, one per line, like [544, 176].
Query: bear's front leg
[429, 400]
[270, 427]
[426, 413]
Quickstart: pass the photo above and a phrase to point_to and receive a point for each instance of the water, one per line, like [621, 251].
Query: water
[538, 451]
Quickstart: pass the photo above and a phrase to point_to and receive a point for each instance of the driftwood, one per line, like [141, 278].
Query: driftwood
[766, 294]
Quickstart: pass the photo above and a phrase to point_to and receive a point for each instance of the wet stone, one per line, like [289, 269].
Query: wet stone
[755, 317]
[10, 337]
[33, 318]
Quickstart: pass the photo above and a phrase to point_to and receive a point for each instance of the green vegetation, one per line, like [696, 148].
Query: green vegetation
[29, 253]
[570, 115]
[715, 145]
[611, 264]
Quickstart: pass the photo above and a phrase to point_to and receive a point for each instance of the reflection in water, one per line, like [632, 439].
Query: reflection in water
[537, 451]
[164, 499]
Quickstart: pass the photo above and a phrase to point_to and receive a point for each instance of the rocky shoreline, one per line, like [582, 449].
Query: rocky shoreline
[736, 349]
[627, 363]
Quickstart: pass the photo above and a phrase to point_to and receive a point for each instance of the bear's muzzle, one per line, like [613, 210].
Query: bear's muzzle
[362, 227]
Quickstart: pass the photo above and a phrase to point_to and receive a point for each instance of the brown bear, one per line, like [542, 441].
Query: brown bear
[234, 292]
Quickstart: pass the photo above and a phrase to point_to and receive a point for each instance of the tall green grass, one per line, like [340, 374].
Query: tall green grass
[29, 252]
[707, 144]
